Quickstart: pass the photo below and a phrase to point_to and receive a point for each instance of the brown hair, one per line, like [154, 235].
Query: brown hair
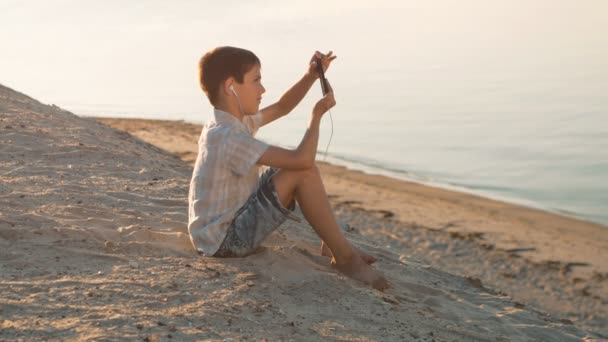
[221, 63]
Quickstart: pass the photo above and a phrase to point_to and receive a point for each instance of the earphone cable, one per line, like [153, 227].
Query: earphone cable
[330, 136]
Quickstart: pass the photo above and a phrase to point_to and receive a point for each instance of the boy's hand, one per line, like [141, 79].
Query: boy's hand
[326, 103]
[325, 61]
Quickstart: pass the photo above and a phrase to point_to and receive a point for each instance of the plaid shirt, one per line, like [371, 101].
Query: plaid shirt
[225, 175]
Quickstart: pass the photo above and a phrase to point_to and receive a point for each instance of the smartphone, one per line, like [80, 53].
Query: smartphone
[322, 79]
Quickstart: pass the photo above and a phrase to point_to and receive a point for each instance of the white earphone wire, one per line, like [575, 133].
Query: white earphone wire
[237, 99]
[330, 136]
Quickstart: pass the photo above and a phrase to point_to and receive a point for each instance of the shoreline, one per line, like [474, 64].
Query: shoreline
[397, 175]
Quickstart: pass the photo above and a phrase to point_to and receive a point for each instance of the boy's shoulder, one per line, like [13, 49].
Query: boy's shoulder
[226, 127]
[217, 134]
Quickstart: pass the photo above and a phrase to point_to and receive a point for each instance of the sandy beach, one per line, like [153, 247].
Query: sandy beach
[94, 246]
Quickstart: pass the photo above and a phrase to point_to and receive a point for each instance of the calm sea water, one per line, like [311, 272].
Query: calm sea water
[508, 99]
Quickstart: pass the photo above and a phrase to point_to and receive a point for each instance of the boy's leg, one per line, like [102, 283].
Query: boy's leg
[307, 188]
[325, 251]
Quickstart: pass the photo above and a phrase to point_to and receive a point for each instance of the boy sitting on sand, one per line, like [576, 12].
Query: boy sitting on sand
[231, 207]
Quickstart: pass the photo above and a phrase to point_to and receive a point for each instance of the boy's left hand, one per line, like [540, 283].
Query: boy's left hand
[325, 61]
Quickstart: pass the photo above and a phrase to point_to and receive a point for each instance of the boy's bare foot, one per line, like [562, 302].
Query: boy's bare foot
[325, 251]
[358, 269]
[366, 257]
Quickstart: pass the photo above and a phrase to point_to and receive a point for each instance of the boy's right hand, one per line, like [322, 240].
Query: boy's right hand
[326, 103]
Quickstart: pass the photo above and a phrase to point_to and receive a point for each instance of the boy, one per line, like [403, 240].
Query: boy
[231, 208]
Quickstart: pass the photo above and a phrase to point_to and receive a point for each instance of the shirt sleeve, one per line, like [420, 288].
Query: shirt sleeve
[244, 151]
[253, 122]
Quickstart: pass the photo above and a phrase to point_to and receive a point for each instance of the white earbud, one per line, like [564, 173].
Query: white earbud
[237, 97]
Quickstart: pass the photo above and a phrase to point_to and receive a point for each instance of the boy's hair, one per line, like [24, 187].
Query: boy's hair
[221, 63]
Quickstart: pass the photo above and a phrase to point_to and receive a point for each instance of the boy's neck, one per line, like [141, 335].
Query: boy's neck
[236, 112]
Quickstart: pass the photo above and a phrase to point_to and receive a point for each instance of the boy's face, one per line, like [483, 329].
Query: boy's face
[250, 91]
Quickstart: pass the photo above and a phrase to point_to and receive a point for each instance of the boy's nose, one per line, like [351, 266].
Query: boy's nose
[263, 90]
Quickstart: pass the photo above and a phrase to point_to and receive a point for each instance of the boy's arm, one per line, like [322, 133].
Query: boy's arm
[289, 100]
[296, 93]
[302, 157]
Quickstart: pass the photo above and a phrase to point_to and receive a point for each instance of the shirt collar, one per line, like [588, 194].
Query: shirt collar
[225, 118]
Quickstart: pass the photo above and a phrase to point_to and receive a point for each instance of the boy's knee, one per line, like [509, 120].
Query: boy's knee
[312, 171]
[303, 174]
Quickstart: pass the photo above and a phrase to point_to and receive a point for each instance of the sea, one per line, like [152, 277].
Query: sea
[507, 99]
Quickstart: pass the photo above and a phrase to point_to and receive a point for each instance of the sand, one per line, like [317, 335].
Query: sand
[93, 244]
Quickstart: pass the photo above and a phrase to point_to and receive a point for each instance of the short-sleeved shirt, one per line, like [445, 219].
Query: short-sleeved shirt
[225, 175]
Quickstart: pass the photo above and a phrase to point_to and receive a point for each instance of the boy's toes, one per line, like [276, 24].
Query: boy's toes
[380, 283]
[358, 269]
[366, 257]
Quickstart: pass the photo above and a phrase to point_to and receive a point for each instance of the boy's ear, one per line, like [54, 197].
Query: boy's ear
[226, 86]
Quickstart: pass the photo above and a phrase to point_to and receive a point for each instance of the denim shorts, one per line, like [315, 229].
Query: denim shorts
[262, 214]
